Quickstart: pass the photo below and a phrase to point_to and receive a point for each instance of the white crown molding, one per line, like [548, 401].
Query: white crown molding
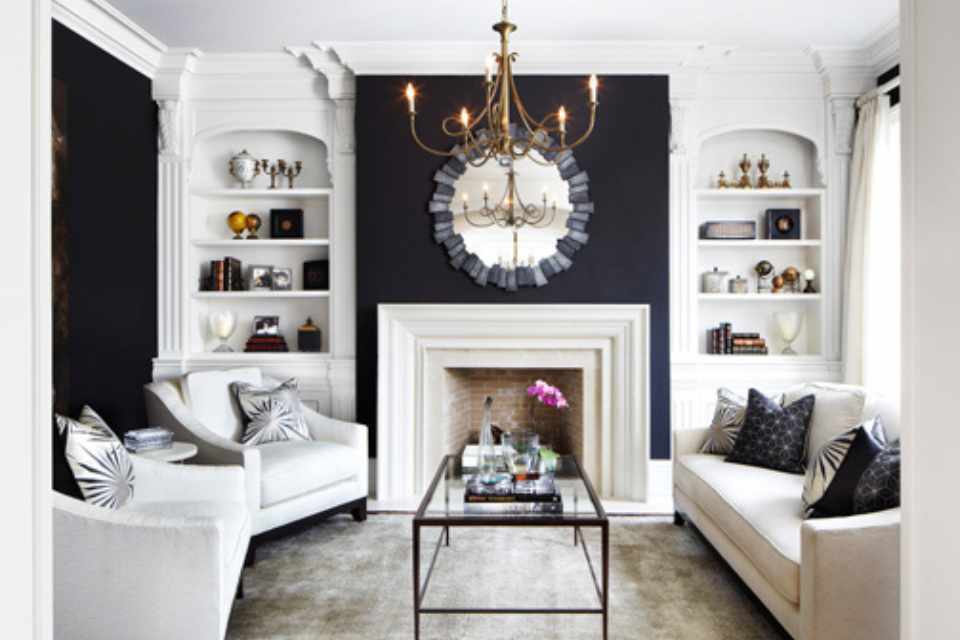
[883, 51]
[106, 27]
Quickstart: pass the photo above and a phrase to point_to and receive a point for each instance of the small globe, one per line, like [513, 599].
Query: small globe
[237, 221]
[791, 275]
[763, 268]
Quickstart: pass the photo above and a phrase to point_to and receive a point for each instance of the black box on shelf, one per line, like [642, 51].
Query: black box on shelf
[783, 224]
[316, 275]
[286, 223]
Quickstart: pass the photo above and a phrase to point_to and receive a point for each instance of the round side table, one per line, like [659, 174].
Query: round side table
[179, 452]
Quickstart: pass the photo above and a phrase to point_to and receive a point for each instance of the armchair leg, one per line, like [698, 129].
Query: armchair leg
[240, 589]
[251, 555]
[359, 512]
[678, 519]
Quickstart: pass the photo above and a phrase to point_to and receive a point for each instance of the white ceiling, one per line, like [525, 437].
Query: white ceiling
[267, 25]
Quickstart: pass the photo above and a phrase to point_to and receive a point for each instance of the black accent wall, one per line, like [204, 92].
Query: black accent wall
[111, 239]
[626, 261]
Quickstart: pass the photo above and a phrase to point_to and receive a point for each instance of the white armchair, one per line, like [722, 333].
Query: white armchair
[165, 565]
[286, 481]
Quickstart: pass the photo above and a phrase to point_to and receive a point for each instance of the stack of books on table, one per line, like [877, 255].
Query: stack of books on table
[147, 439]
[266, 343]
[513, 496]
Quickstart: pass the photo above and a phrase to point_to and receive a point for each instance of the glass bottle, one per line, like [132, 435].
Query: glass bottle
[487, 463]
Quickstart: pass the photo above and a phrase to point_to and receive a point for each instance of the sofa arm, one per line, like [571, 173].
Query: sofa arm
[162, 481]
[165, 408]
[687, 441]
[850, 577]
[350, 434]
[118, 571]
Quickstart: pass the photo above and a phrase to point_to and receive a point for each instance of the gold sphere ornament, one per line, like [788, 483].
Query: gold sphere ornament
[791, 276]
[777, 284]
[237, 221]
[253, 224]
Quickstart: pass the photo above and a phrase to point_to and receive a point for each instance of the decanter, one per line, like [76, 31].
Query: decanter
[488, 462]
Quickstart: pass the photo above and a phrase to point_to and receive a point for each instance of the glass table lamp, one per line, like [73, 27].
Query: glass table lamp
[790, 323]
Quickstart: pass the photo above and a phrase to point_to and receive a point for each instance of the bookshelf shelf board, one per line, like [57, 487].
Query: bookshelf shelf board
[759, 297]
[265, 242]
[316, 192]
[223, 295]
[765, 244]
[773, 358]
[261, 356]
[758, 194]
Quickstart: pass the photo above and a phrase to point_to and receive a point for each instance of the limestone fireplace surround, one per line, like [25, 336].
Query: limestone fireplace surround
[417, 343]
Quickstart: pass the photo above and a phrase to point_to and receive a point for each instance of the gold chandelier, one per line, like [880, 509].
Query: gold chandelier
[490, 134]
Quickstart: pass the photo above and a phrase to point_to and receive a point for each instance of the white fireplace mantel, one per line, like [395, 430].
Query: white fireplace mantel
[414, 338]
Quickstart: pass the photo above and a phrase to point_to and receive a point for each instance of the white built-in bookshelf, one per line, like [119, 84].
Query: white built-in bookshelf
[753, 312]
[214, 193]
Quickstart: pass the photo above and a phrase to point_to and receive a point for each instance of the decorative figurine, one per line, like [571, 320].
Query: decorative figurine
[785, 184]
[271, 170]
[808, 277]
[763, 182]
[244, 167]
[237, 221]
[722, 181]
[289, 171]
[253, 225]
[777, 284]
[791, 278]
[764, 270]
[745, 166]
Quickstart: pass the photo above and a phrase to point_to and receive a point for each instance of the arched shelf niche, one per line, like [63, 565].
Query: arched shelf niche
[786, 151]
[213, 149]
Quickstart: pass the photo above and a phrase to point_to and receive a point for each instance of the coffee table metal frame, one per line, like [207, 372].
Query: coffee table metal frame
[446, 521]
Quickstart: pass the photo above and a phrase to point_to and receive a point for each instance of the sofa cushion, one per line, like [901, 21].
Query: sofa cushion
[765, 525]
[773, 436]
[208, 395]
[234, 518]
[839, 407]
[834, 471]
[296, 467]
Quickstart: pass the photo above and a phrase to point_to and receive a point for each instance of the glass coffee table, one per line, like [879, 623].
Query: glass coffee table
[444, 507]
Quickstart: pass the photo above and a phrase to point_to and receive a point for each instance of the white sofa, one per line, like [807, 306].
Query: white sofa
[286, 481]
[823, 579]
[165, 565]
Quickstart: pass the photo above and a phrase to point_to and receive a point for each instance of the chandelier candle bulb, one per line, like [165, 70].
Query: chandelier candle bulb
[465, 118]
[562, 118]
[411, 94]
[594, 83]
[488, 69]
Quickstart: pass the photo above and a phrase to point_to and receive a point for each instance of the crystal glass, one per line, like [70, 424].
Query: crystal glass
[521, 451]
[222, 326]
[790, 323]
[488, 462]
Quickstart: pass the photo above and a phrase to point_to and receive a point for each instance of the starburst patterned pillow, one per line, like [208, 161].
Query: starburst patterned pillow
[271, 415]
[726, 424]
[99, 462]
[836, 469]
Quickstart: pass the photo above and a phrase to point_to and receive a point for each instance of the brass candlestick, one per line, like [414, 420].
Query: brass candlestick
[290, 172]
[722, 181]
[271, 170]
[763, 182]
[786, 180]
[745, 166]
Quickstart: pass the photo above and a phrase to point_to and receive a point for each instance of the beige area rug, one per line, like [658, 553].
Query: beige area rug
[346, 580]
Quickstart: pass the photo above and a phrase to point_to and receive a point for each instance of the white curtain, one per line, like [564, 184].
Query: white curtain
[872, 275]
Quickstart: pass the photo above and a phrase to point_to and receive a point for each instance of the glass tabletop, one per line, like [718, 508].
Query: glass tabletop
[446, 499]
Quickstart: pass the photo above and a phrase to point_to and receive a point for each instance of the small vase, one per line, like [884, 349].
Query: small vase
[487, 463]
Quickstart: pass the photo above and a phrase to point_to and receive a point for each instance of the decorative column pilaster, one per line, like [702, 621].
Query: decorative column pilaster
[172, 178]
[842, 119]
[682, 309]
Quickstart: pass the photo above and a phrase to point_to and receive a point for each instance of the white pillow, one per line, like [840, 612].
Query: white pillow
[100, 464]
[838, 408]
[208, 395]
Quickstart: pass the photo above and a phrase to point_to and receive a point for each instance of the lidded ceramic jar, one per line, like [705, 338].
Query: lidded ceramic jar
[713, 281]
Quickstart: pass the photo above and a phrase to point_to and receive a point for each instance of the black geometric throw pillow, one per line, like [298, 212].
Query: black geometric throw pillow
[879, 486]
[838, 467]
[772, 436]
